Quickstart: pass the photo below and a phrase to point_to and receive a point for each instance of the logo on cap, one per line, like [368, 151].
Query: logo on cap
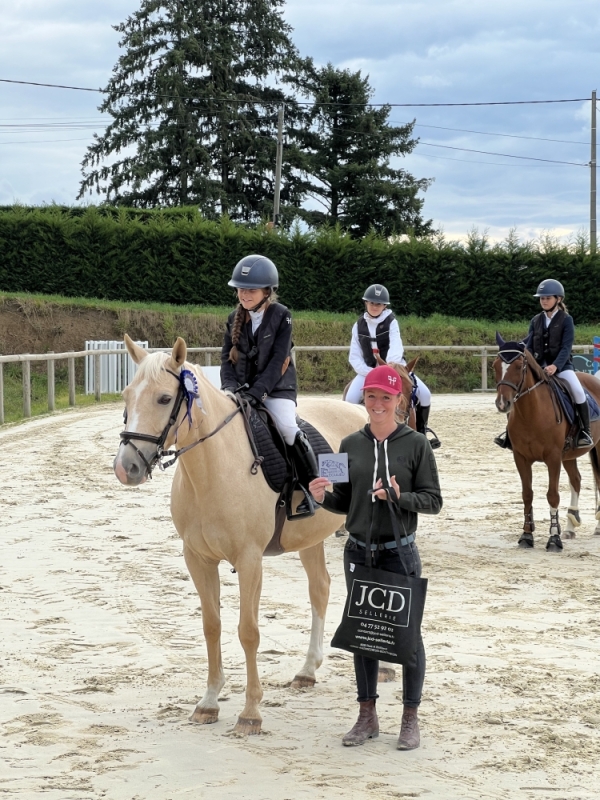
[246, 270]
[392, 380]
[377, 292]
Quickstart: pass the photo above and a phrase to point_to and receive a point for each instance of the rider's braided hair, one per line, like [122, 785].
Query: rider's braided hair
[561, 305]
[236, 329]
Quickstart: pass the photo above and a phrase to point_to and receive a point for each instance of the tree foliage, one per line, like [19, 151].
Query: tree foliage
[193, 100]
[345, 158]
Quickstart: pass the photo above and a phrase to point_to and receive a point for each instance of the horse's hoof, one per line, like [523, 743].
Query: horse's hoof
[568, 535]
[573, 517]
[526, 541]
[386, 675]
[554, 544]
[302, 682]
[248, 727]
[205, 716]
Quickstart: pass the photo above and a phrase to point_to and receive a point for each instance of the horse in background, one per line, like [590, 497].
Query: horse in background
[223, 509]
[538, 430]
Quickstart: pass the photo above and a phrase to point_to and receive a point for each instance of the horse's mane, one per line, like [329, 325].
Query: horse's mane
[535, 368]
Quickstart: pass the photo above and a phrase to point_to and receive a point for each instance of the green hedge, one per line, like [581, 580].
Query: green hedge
[176, 256]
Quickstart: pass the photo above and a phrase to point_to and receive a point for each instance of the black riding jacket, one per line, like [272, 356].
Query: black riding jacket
[553, 344]
[382, 336]
[264, 358]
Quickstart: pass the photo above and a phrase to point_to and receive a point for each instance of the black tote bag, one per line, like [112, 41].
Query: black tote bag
[383, 611]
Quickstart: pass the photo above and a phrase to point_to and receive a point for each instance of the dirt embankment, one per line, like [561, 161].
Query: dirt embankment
[34, 327]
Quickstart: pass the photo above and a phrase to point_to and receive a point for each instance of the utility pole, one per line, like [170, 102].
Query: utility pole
[593, 179]
[278, 165]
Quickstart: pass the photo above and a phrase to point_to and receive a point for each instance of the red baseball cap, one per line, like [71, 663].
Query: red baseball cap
[384, 378]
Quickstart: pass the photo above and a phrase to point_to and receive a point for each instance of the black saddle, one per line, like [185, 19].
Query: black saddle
[271, 452]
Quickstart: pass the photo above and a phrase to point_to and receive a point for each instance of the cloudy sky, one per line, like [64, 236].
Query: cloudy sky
[420, 52]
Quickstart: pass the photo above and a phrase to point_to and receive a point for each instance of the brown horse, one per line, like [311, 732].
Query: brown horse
[223, 509]
[538, 430]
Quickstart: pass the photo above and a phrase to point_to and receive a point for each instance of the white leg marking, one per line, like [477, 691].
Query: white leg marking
[314, 656]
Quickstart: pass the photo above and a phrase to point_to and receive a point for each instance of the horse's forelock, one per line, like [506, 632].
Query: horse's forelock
[152, 367]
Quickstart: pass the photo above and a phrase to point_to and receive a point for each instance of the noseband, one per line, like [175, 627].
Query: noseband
[159, 441]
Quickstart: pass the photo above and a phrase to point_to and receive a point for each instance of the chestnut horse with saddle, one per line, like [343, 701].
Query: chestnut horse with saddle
[539, 429]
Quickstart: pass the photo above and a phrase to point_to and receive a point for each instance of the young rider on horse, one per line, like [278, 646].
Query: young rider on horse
[377, 333]
[551, 335]
[256, 360]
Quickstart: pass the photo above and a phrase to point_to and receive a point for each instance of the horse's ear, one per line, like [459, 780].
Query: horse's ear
[499, 340]
[178, 354]
[412, 363]
[526, 342]
[136, 352]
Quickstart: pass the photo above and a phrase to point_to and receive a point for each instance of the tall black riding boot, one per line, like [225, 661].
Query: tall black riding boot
[585, 437]
[306, 462]
[422, 413]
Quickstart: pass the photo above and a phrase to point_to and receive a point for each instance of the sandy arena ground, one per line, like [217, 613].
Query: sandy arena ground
[103, 658]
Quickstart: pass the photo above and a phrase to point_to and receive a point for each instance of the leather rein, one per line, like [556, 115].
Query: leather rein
[159, 441]
[520, 392]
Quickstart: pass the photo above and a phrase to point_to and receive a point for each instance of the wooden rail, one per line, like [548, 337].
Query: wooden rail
[26, 359]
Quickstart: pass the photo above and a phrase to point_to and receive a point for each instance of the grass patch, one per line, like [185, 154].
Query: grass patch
[49, 320]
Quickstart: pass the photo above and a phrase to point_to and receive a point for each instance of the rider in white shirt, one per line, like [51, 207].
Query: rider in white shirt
[377, 333]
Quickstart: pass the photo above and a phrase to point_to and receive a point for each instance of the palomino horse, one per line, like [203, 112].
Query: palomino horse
[221, 510]
[537, 430]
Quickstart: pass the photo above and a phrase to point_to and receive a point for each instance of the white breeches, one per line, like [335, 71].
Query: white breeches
[284, 414]
[571, 378]
[354, 394]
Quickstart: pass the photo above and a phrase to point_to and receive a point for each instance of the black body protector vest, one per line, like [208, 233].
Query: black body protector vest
[547, 340]
[381, 340]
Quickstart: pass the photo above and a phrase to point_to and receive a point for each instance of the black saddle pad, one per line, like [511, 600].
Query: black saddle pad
[276, 464]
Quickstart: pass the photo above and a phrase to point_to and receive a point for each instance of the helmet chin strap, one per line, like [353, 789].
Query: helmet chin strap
[262, 302]
[551, 310]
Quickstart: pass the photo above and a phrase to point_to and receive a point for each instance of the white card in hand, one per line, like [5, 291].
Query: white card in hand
[334, 467]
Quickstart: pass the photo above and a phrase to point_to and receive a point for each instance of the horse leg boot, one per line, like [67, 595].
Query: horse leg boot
[365, 727]
[409, 738]
[306, 462]
[422, 414]
[585, 437]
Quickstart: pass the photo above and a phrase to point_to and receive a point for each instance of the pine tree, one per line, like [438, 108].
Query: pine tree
[345, 159]
[194, 101]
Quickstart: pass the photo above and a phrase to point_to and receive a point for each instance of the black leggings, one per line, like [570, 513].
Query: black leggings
[367, 669]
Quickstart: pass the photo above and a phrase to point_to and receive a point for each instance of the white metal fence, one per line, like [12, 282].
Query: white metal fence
[116, 369]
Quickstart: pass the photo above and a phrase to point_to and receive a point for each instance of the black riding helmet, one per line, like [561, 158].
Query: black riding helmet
[377, 294]
[550, 288]
[255, 272]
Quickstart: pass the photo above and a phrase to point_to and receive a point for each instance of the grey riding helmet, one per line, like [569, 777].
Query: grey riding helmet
[550, 288]
[255, 272]
[377, 294]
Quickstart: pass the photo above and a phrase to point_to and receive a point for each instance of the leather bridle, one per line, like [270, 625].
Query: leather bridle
[518, 389]
[159, 441]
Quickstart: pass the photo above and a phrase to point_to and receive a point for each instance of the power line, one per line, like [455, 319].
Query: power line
[488, 133]
[504, 155]
[305, 103]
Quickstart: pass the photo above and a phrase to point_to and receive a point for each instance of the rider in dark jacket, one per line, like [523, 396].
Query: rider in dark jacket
[551, 335]
[256, 359]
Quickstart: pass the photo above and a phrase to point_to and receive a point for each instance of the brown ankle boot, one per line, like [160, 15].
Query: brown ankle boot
[365, 727]
[409, 738]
